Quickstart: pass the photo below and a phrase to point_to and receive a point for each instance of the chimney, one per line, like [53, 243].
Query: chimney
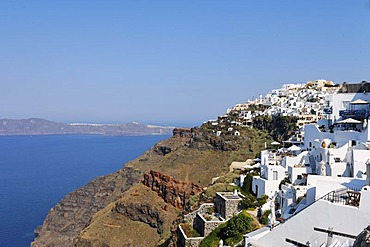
[368, 172]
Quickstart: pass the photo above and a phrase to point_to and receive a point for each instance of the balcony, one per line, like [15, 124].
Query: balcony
[354, 114]
[344, 196]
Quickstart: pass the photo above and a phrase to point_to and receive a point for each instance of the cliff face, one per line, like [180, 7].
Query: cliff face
[72, 214]
[138, 218]
[172, 191]
[128, 208]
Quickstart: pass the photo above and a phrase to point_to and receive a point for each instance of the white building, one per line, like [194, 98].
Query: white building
[331, 171]
[270, 176]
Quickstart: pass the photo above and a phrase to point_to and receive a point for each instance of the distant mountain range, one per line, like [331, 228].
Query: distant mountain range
[38, 126]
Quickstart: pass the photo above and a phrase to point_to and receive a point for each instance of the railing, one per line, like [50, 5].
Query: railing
[354, 113]
[345, 196]
[337, 196]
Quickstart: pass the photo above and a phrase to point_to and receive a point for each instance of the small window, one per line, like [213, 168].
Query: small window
[275, 175]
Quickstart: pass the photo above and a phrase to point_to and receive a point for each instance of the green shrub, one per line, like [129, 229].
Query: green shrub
[236, 227]
[249, 201]
[262, 200]
[231, 232]
[213, 239]
[247, 185]
[265, 217]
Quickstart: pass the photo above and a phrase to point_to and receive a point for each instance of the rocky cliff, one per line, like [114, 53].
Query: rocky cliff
[128, 208]
[172, 191]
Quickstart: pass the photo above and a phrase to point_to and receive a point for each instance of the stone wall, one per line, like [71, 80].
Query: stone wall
[227, 208]
[220, 206]
[184, 241]
[210, 226]
[189, 218]
[232, 207]
[199, 224]
[205, 227]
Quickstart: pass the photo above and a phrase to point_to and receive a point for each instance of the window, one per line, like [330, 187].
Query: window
[345, 104]
[275, 175]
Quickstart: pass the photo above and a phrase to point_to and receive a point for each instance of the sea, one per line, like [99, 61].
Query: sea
[36, 172]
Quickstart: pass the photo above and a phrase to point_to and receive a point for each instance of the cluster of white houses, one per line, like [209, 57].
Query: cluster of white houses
[291, 100]
[327, 199]
[309, 102]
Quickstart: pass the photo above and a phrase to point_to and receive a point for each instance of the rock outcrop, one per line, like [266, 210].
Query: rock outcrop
[162, 150]
[181, 132]
[139, 218]
[143, 213]
[172, 191]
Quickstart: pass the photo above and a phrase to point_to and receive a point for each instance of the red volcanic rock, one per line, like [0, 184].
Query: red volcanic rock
[173, 191]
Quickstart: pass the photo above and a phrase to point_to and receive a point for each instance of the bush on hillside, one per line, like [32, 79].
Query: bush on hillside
[249, 202]
[231, 232]
[279, 127]
[264, 220]
[236, 227]
[247, 185]
[262, 200]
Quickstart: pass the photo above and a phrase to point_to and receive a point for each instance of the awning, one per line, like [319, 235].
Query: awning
[294, 148]
[349, 121]
[359, 102]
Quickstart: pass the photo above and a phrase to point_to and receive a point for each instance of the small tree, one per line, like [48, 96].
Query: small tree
[247, 185]
[249, 201]
[236, 227]
[265, 217]
[262, 200]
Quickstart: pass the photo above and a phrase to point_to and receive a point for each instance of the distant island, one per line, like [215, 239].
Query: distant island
[38, 126]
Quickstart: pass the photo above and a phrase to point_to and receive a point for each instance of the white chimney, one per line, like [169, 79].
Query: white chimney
[368, 172]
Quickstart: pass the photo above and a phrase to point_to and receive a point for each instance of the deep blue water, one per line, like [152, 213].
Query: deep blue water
[36, 172]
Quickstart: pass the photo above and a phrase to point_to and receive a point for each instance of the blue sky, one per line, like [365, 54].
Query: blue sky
[170, 62]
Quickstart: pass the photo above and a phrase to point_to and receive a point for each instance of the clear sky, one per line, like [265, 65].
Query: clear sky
[170, 62]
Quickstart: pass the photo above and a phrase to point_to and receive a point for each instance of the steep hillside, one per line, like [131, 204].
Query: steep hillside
[111, 210]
